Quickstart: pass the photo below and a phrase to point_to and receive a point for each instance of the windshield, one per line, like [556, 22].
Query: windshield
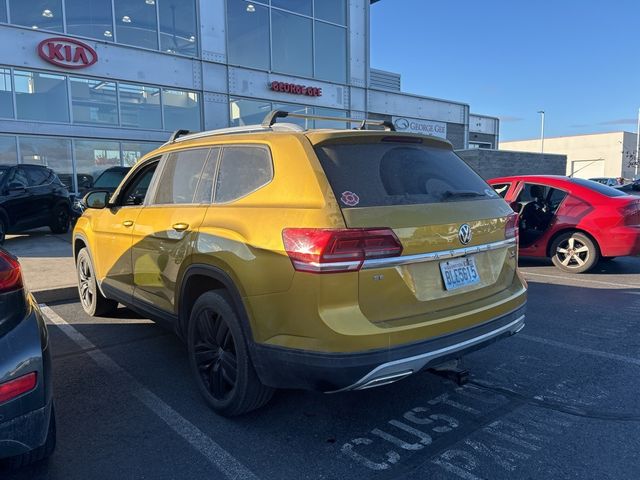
[109, 179]
[598, 187]
[393, 173]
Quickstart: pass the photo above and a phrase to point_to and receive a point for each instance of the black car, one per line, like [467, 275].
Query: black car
[32, 196]
[632, 188]
[27, 419]
[108, 180]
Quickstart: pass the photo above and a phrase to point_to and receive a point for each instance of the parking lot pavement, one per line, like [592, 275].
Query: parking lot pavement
[558, 400]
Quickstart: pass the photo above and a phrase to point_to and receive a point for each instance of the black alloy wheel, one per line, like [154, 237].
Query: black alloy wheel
[61, 220]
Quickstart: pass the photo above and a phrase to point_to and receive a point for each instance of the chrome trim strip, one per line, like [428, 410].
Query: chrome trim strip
[434, 256]
[418, 362]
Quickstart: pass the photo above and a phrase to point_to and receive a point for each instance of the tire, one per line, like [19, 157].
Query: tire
[574, 252]
[39, 453]
[60, 220]
[3, 230]
[91, 299]
[219, 358]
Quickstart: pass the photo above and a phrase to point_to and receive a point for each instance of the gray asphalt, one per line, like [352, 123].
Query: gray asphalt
[558, 400]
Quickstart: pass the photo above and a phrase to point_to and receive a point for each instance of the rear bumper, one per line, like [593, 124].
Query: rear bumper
[25, 433]
[335, 372]
[621, 242]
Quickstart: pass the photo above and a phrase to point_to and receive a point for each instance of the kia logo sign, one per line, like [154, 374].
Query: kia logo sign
[67, 52]
[296, 89]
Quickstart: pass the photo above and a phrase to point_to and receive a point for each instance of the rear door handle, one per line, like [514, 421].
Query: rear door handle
[127, 223]
[180, 227]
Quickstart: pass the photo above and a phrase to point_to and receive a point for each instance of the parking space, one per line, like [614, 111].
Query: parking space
[558, 400]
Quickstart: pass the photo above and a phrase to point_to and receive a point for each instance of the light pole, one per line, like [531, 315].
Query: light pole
[635, 177]
[541, 112]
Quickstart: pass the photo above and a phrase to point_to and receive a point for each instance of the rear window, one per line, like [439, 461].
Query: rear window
[598, 187]
[381, 174]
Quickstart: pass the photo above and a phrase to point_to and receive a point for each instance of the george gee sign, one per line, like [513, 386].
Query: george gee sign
[424, 127]
[67, 52]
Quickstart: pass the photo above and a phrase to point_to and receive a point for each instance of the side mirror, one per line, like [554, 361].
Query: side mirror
[97, 199]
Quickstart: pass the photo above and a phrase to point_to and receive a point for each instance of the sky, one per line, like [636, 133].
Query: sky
[579, 61]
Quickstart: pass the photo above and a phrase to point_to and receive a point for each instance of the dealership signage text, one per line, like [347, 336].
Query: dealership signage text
[67, 52]
[424, 127]
[295, 89]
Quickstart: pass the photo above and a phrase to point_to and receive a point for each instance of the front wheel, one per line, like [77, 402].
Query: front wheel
[219, 358]
[60, 220]
[91, 299]
[574, 252]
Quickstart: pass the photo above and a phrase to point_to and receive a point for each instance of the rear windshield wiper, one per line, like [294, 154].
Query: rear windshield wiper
[461, 193]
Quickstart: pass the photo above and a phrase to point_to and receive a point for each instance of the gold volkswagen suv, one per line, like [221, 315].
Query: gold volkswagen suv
[326, 260]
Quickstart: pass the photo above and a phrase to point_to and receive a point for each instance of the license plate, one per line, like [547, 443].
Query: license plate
[459, 273]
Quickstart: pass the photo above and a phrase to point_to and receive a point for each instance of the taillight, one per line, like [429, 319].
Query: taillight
[10, 275]
[630, 213]
[511, 226]
[319, 250]
[14, 388]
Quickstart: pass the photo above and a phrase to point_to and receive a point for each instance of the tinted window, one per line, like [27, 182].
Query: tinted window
[548, 197]
[110, 179]
[136, 190]
[398, 174]
[180, 176]
[242, 171]
[603, 189]
[501, 188]
[20, 177]
[37, 176]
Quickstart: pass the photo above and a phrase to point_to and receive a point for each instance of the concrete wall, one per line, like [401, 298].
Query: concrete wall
[601, 154]
[500, 163]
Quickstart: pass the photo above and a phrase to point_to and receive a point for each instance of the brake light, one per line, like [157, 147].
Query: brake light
[318, 250]
[14, 388]
[631, 213]
[511, 227]
[10, 274]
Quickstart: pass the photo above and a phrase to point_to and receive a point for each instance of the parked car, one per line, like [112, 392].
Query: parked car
[32, 196]
[573, 221]
[632, 188]
[328, 260]
[108, 180]
[27, 418]
[608, 181]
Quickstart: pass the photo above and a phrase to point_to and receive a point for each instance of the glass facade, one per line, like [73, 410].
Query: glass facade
[297, 37]
[243, 111]
[167, 25]
[94, 101]
[6, 94]
[36, 89]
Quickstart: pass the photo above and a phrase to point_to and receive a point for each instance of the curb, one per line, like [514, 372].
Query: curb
[53, 295]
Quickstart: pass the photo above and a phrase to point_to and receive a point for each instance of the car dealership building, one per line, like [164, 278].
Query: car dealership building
[87, 84]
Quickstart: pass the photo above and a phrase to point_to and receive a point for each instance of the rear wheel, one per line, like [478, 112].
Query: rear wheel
[574, 252]
[60, 220]
[39, 453]
[92, 300]
[219, 358]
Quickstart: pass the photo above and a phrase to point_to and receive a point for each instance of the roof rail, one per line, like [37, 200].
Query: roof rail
[181, 137]
[178, 133]
[271, 118]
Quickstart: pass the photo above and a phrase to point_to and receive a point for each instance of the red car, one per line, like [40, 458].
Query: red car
[576, 222]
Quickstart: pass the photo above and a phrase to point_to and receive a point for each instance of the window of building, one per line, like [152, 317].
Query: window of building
[248, 34]
[331, 10]
[247, 112]
[243, 170]
[134, 151]
[330, 52]
[94, 101]
[292, 50]
[54, 153]
[180, 176]
[140, 106]
[181, 110]
[6, 94]
[330, 112]
[93, 157]
[90, 18]
[8, 150]
[37, 14]
[483, 145]
[178, 26]
[41, 96]
[136, 23]
[3, 12]
[304, 7]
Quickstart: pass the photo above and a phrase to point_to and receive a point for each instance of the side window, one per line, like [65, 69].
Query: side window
[180, 176]
[37, 176]
[501, 188]
[20, 177]
[531, 191]
[555, 198]
[204, 194]
[243, 169]
[136, 189]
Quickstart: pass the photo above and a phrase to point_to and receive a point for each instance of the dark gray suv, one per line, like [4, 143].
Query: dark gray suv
[27, 420]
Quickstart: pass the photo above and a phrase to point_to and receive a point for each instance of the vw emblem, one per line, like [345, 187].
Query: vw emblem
[464, 234]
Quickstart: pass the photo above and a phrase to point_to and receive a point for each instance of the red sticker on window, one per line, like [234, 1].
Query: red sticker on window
[350, 199]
